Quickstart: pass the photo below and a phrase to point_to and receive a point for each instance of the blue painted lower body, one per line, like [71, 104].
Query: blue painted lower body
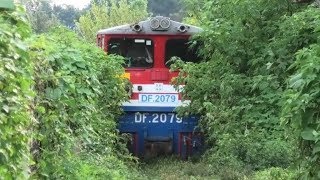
[158, 130]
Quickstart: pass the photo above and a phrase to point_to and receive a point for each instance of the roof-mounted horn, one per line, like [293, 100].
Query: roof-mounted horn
[154, 23]
[160, 23]
[165, 23]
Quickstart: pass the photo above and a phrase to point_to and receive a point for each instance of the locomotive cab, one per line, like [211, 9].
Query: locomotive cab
[148, 48]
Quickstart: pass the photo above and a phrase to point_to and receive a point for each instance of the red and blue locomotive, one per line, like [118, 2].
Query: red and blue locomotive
[150, 116]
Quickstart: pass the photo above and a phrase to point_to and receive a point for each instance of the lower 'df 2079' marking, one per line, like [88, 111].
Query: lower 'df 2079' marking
[157, 118]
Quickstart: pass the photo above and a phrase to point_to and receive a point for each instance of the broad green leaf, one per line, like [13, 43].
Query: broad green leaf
[4, 154]
[6, 4]
[81, 65]
[41, 109]
[5, 108]
[53, 93]
[316, 148]
[307, 134]
[296, 81]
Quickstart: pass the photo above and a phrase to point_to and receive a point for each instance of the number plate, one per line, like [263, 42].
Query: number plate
[157, 118]
[158, 98]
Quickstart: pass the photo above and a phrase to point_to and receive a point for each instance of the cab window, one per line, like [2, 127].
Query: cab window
[138, 53]
[182, 49]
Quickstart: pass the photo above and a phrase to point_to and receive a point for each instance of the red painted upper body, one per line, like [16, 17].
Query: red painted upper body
[157, 40]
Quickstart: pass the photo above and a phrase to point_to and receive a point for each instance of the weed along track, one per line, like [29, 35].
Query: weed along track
[173, 168]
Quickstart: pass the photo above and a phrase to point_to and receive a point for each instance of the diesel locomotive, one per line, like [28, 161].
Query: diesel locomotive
[150, 118]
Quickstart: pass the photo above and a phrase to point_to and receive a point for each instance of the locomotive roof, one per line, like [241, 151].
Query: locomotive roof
[146, 28]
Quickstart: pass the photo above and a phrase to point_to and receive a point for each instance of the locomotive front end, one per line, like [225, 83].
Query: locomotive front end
[150, 118]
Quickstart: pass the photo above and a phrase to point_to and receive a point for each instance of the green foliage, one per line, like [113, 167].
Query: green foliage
[59, 100]
[255, 152]
[275, 174]
[192, 11]
[301, 108]
[105, 16]
[92, 166]
[236, 157]
[78, 99]
[15, 95]
[238, 88]
[176, 169]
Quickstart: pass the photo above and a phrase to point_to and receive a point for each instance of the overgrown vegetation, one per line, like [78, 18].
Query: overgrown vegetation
[251, 50]
[78, 98]
[301, 108]
[15, 95]
[174, 168]
[60, 98]
[257, 91]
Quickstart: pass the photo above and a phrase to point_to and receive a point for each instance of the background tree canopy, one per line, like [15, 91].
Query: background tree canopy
[104, 16]
[99, 14]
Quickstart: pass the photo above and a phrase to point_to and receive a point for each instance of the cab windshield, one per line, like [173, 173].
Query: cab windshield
[138, 53]
[181, 48]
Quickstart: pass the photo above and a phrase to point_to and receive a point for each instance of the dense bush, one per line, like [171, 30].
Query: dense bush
[234, 157]
[248, 48]
[79, 93]
[60, 98]
[301, 108]
[275, 174]
[255, 151]
[15, 95]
